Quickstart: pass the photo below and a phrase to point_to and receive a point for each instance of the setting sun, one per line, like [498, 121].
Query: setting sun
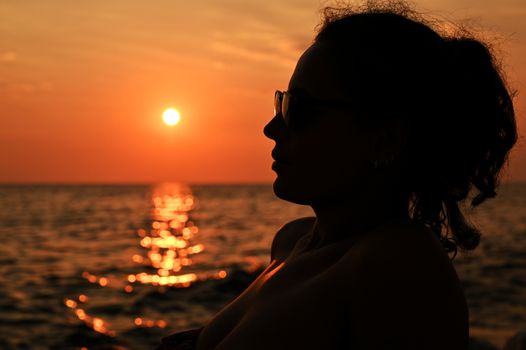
[171, 117]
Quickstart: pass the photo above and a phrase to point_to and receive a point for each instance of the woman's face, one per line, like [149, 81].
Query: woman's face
[327, 156]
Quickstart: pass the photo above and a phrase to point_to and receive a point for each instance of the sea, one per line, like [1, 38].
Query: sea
[120, 266]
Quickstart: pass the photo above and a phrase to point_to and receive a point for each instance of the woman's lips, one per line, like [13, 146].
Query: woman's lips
[278, 162]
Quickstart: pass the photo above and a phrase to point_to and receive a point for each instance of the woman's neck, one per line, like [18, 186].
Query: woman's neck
[338, 221]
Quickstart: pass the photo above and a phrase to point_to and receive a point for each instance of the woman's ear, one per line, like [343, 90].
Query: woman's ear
[391, 140]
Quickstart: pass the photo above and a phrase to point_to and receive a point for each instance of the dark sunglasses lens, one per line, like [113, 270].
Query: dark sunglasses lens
[277, 102]
[285, 107]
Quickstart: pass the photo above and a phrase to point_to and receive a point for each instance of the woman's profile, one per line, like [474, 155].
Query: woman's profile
[386, 127]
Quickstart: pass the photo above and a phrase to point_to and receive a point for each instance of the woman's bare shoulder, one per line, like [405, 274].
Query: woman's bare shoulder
[402, 242]
[401, 284]
[407, 257]
[289, 234]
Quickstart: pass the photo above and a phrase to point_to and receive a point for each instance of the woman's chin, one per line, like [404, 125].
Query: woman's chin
[290, 191]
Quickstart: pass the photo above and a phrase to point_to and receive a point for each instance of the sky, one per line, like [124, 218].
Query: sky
[83, 84]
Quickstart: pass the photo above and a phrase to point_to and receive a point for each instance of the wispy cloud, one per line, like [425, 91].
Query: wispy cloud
[17, 90]
[8, 56]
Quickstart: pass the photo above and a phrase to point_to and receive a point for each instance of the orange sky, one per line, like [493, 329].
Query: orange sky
[83, 84]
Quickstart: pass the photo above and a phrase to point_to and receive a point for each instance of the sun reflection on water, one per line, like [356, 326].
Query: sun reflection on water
[168, 245]
[169, 240]
[96, 323]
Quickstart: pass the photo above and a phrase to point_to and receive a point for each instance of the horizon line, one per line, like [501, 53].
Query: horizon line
[130, 183]
[150, 183]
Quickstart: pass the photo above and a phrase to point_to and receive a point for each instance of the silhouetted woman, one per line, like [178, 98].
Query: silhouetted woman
[385, 128]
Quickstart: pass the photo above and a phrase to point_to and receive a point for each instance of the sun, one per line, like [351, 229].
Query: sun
[171, 116]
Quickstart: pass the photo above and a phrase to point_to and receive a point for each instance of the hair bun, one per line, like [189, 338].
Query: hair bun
[469, 59]
[483, 108]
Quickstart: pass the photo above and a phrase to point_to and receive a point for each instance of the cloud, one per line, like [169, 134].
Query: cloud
[23, 89]
[263, 33]
[256, 47]
[8, 56]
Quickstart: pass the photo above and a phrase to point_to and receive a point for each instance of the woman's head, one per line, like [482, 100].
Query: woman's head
[436, 105]
[320, 153]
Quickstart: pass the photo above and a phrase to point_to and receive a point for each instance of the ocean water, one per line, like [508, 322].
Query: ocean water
[118, 267]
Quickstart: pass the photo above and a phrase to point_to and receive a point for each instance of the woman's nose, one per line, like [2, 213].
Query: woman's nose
[275, 128]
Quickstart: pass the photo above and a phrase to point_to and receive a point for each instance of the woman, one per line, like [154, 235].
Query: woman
[384, 129]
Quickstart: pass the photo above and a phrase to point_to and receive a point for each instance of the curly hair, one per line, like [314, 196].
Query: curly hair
[448, 87]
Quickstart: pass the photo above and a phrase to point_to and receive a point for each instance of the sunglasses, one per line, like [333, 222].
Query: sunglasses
[285, 102]
[281, 105]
